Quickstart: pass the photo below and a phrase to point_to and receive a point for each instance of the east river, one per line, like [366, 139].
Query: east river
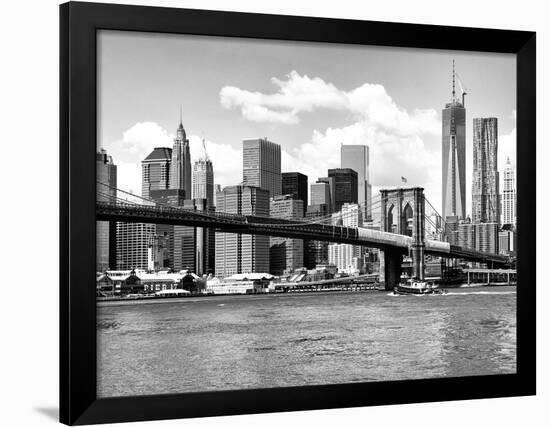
[259, 341]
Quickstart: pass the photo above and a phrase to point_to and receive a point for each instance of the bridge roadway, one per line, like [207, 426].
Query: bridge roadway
[249, 224]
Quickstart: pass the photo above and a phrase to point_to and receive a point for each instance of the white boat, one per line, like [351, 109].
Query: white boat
[416, 287]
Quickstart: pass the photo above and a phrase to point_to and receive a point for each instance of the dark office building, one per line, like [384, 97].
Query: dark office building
[316, 251]
[345, 186]
[165, 232]
[295, 184]
[194, 246]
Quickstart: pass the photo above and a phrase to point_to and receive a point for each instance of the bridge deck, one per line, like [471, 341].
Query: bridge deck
[249, 224]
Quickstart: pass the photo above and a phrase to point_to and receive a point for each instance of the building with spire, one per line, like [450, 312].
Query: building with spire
[203, 178]
[454, 155]
[180, 177]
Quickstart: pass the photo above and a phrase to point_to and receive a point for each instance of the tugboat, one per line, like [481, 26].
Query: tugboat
[415, 286]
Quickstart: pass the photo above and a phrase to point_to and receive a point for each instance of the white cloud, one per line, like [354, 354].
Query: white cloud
[226, 160]
[402, 143]
[134, 145]
[298, 94]
[139, 140]
[391, 157]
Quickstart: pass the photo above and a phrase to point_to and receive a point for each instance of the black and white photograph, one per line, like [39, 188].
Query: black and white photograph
[282, 213]
[276, 213]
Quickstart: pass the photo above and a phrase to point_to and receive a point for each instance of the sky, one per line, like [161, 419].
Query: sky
[308, 97]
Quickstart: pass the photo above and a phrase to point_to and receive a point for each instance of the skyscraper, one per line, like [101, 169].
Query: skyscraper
[106, 175]
[203, 180]
[194, 246]
[485, 203]
[242, 253]
[164, 233]
[316, 251]
[345, 256]
[295, 184]
[454, 156]
[180, 177]
[330, 181]
[262, 165]
[345, 186]
[509, 195]
[320, 194]
[356, 157]
[286, 255]
[137, 243]
[133, 244]
[466, 234]
[155, 170]
[486, 235]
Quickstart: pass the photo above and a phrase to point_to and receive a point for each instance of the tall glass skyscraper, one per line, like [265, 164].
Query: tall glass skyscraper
[356, 157]
[454, 157]
[485, 203]
[262, 165]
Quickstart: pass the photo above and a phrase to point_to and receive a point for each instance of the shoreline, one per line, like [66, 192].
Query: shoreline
[111, 301]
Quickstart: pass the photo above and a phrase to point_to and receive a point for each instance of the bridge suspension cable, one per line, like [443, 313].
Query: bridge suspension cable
[312, 221]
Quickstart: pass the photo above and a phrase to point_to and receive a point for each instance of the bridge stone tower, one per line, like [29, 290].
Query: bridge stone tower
[402, 212]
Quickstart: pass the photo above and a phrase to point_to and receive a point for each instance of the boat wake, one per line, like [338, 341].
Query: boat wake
[391, 294]
[482, 293]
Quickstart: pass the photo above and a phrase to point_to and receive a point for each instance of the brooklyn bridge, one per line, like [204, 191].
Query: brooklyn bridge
[402, 224]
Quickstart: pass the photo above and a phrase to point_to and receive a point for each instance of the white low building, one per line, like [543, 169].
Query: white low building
[243, 283]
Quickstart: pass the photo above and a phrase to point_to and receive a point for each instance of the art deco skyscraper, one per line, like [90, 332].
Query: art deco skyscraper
[262, 165]
[485, 203]
[509, 195]
[454, 156]
[180, 177]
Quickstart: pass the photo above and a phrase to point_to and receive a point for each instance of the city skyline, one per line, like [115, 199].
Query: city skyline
[321, 109]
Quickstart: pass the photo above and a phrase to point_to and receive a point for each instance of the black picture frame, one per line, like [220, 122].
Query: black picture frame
[79, 23]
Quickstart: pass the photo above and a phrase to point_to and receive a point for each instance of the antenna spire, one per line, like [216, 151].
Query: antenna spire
[454, 92]
[181, 122]
[204, 149]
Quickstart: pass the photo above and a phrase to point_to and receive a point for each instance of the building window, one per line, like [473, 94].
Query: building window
[146, 173]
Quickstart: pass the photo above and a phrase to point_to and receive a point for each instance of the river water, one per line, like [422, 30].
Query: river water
[259, 341]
